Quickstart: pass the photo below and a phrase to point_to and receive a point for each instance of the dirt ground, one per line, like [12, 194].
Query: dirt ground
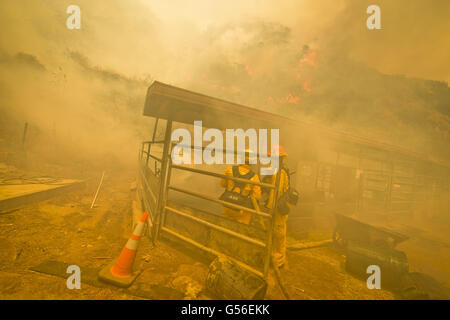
[65, 229]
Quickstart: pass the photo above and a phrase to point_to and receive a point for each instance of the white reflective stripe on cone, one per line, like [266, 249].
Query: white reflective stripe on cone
[132, 244]
[138, 230]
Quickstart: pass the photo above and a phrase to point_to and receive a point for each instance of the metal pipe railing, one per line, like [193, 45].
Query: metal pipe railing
[162, 209]
[223, 176]
[211, 251]
[165, 163]
[154, 157]
[154, 142]
[255, 154]
[224, 203]
[216, 227]
[148, 188]
[268, 257]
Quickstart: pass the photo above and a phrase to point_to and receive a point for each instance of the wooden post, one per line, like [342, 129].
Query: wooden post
[25, 129]
[98, 189]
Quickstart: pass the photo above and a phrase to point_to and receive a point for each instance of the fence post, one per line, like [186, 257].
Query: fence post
[163, 180]
[166, 188]
[153, 140]
[270, 226]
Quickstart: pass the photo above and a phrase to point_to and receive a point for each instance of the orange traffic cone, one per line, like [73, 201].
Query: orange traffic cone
[120, 273]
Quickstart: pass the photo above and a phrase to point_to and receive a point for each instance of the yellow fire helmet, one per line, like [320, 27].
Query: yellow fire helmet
[249, 155]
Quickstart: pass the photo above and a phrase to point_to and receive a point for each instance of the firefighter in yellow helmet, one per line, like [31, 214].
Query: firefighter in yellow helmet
[240, 193]
[280, 214]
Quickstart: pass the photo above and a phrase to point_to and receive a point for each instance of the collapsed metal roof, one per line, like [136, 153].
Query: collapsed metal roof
[169, 102]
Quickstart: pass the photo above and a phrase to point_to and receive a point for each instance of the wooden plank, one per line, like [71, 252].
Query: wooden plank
[15, 199]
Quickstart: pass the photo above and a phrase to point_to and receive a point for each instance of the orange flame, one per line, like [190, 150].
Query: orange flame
[290, 98]
[308, 58]
[249, 70]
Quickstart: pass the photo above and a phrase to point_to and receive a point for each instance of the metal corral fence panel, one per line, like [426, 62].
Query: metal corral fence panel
[174, 218]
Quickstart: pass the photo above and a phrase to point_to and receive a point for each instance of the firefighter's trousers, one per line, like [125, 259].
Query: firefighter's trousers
[237, 215]
[279, 239]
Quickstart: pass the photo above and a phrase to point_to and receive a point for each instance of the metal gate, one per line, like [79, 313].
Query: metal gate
[178, 218]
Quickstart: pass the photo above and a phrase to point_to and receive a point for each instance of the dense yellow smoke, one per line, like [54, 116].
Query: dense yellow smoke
[89, 85]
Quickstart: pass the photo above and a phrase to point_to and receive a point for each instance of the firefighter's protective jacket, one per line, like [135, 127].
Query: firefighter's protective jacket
[230, 185]
[283, 187]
